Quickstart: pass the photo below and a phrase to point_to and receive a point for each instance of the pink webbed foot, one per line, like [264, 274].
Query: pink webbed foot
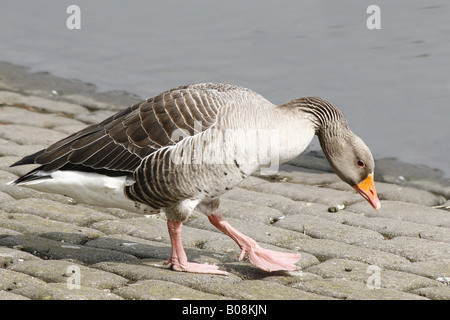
[193, 267]
[264, 259]
[178, 259]
[269, 260]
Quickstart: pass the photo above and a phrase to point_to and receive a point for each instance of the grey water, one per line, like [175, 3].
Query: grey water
[393, 83]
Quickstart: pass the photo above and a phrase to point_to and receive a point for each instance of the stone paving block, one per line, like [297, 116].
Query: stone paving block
[283, 204]
[23, 193]
[95, 104]
[115, 100]
[41, 104]
[140, 248]
[227, 251]
[19, 150]
[56, 250]
[434, 293]
[48, 86]
[406, 194]
[5, 165]
[246, 271]
[252, 181]
[269, 237]
[391, 228]
[4, 197]
[156, 229]
[145, 249]
[291, 277]
[325, 249]
[358, 271]
[31, 224]
[60, 291]
[248, 212]
[406, 212]
[5, 176]
[20, 134]
[6, 295]
[21, 116]
[311, 161]
[224, 249]
[294, 174]
[116, 212]
[260, 232]
[392, 169]
[49, 209]
[445, 206]
[4, 232]
[316, 227]
[439, 188]
[153, 269]
[10, 280]
[145, 228]
[436, 270]
[61, 271]
[162, 290]
[413, 249]
[66, 238]
[261, 290]
[306, 193]
[95, 117]
[68, 130]
[9, 256]
[353, 290]
[395, 192]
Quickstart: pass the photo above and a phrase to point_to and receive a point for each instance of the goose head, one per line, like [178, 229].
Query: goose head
[353, 162]
[347, 154]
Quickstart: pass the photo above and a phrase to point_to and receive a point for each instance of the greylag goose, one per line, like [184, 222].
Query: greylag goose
[181, 149]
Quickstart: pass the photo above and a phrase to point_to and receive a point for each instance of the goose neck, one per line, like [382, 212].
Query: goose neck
[328, 120]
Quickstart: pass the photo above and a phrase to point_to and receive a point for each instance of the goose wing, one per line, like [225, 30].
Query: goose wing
[117, 145]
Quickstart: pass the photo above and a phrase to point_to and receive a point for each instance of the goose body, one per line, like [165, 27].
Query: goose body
[180, 150]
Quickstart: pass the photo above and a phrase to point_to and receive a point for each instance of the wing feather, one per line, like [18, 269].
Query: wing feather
[120, 142]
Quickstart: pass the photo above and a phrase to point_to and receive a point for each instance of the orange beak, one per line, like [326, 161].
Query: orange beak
[367, 189]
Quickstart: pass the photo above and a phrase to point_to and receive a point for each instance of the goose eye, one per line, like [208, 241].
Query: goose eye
[361, 164]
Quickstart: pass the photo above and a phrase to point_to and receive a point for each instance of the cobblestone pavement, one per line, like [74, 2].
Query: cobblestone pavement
[54, 248]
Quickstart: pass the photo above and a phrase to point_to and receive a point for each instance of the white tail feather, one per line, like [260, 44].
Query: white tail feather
[88, 187]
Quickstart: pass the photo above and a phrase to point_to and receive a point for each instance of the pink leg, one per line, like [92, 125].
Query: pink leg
[263, 259]
[178, 258]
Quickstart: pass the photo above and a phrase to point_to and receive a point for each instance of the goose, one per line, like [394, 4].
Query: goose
[182, 149]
